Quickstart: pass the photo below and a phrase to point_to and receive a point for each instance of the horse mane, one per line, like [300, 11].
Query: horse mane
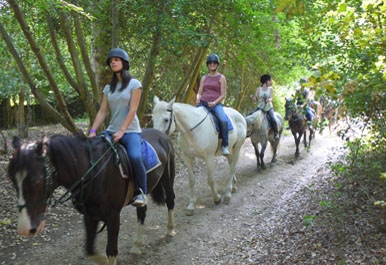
[64, 150]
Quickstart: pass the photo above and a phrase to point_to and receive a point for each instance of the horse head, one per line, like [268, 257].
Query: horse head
[163, 116]
[290, 109]
[28, 172]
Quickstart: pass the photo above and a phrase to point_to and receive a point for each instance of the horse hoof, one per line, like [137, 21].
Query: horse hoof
[135, 250]
[234, 189]
[217, 200]
[112, 260]
[170, 236]
[227, 200]
[98, 259]
[189, 212]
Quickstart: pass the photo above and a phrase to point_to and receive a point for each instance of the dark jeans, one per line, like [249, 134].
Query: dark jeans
[272, 120]
[218, 111]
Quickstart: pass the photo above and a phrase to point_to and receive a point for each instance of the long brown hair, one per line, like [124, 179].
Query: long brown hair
[126, 77]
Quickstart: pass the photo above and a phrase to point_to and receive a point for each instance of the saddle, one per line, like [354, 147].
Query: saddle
[266, 116]
[215, 122]
[121, 159]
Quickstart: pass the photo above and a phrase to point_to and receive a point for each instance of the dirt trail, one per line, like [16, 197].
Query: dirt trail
[242, 232]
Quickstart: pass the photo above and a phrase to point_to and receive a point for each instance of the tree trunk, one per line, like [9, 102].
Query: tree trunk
[189, 85]
[149, 73]
[63, 116]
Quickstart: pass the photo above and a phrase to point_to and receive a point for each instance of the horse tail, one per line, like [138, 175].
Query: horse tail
[158, 193]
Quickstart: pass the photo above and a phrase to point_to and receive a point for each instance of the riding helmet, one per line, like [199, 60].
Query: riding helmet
[119, 53]
[212, 57]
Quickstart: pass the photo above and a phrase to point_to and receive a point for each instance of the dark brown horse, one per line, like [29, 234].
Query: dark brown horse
[298, 124]
[88, 169]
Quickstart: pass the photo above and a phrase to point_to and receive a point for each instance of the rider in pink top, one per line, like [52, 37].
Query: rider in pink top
[211, 93]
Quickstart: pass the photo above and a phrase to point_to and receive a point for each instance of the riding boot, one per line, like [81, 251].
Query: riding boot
[272, 119]
[224, 135]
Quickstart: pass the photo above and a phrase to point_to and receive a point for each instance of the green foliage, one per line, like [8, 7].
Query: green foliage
[343, 43]
[309, 219]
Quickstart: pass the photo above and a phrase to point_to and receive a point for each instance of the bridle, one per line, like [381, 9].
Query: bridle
[173, 118]
[50, 184]
[293, 112]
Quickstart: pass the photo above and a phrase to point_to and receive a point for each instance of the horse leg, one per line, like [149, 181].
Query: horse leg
[192, 181]
[209, 161]
[305, 138]
[257, 154]
[169, 193]
[297, 141]
[91, 227]
[231, 186]
[274, 144]
[112, 224]
[263, 147]
[138, 242]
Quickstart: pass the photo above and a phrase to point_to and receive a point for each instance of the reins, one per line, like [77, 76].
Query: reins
[50, 173]
[172, 118]
[83, 182]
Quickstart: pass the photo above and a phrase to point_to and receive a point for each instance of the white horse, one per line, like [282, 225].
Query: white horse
[260, 133]
[198, 138]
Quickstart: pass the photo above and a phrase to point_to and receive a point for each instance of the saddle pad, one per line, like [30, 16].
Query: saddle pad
[149, 156]
[215, 122]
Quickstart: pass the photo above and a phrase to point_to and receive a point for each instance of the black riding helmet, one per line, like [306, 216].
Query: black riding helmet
[119, 53]
[212, 57]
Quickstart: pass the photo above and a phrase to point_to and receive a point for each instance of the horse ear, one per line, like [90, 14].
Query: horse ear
[16, 142]
[170, 103]
[155, 100]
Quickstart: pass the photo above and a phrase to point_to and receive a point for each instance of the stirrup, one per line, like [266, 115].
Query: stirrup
[140, 200]
[225, 150]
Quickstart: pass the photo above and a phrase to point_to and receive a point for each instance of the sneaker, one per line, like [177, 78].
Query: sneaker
[225, 150]
[140, 200]
[276, 136]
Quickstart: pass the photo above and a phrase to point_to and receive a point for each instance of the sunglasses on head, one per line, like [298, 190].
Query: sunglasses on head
[212, 62]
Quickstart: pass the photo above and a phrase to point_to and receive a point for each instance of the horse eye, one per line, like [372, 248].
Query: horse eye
[166, 120]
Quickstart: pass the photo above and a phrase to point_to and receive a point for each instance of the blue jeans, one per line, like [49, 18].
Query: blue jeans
[132, 142]
[218, 111]
[309, 114]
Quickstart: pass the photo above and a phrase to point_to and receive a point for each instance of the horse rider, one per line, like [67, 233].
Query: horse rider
[304, 99]
[121, 98]
[264, 97]
[211, 93]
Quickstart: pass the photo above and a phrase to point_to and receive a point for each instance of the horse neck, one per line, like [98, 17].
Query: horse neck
[260, 116]
[63, 156]
[188, 116]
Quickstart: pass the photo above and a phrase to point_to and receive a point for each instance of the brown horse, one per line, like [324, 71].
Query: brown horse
[298, 124]
[88, 169]
[330, 112]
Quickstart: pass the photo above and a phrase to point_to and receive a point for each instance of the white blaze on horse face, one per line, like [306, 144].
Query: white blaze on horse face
[24, 221]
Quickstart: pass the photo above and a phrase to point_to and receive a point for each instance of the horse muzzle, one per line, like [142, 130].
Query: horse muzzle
[26, 228]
